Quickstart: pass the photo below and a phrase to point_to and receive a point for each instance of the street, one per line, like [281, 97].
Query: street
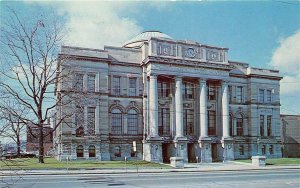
[250, 178]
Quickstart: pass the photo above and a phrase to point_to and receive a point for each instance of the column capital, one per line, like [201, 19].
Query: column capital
[153, 75]
[178, 77]
[202, 81]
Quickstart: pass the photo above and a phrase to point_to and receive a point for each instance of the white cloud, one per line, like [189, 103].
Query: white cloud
[95, 24]
[286, 58]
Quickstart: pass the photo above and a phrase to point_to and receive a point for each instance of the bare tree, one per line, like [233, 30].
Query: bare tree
[12, 126]
[30, 70]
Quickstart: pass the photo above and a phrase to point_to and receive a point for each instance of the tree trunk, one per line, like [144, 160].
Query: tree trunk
[41, 144]
[18, 146]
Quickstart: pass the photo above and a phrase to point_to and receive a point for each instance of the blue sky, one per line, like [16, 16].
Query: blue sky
[263, 34]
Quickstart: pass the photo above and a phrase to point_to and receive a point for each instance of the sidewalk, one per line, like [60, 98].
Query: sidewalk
[190, 167]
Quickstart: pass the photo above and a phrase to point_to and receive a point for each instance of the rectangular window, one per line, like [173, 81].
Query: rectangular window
[163, 88]
[212, 91]
[164, 121]
[91, 83]
[269, 125]
[263, 150]
[188, 90]
[271, 150]
[116, 86]
[132, 87]
[91, 121]
[241, 149]
[188, 122]
[79, 116]
[211, 123]
[262, 122]
[78, 82]
[261, 95]
[239, 94]
[269, 96]
[239, 126]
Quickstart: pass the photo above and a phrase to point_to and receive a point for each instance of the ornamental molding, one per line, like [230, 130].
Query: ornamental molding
[191, 63]
[189, 70]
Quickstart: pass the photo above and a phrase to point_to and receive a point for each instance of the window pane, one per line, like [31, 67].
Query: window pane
[239, 94]
[132, 122]
[78, 82]
[91, 121]
[211, 123]
[164, 121]
[91, 83]
[261, 95]
[132, 87]
[262, 125]
[239, 125]
[188, 122]
[269, 93]
[269, 125]
[163, 88]
[116, 124]
[212, 91]
[116, 86]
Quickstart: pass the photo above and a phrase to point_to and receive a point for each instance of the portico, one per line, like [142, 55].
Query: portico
[188, 115]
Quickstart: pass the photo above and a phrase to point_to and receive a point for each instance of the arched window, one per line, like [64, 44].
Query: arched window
[79, 151]
[239, 125]
[79, 132]
[230, 125]
[92, 151]
[132, 122]
[116, 121]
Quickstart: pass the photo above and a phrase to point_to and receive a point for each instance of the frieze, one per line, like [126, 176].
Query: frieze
[192, 70]
[189, 63]
[192, 52]
[166, 49]
[211, 106]
[214, 55]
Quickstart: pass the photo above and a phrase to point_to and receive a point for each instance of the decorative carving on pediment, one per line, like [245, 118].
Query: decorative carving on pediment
[163, 103]
[166, 49]
[214, 55]
[192, 52]
[211, 106]
[188, 105]
[116, 102]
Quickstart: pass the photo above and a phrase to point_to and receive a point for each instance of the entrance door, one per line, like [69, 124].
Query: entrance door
[191, 153]
[214, 152]
[165, 153]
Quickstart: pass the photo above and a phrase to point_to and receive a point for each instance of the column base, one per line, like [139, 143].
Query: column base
[152, 150]
[181, 148]
[205, 146]
[228, 149]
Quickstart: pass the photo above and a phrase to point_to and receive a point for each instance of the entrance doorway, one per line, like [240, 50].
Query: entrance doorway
[166, 153]
[214, 152]
[191, 153]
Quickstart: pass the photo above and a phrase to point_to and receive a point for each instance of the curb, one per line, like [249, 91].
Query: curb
[146, 172]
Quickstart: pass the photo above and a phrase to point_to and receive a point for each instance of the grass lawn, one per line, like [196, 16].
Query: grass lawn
[280, 161]
[51, 163]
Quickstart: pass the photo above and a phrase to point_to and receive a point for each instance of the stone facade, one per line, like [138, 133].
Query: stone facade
[174, 98]
[290, 125]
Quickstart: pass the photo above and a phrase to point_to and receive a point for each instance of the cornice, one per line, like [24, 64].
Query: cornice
[184, 62]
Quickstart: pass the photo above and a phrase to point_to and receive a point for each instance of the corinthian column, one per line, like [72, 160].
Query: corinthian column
[153, 106]
[179, 107]
[225, 110]
[203, 109]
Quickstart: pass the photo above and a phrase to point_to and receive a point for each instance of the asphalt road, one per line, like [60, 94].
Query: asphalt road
[251, 178]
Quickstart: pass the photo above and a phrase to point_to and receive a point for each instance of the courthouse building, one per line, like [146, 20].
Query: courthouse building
[173, 98]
